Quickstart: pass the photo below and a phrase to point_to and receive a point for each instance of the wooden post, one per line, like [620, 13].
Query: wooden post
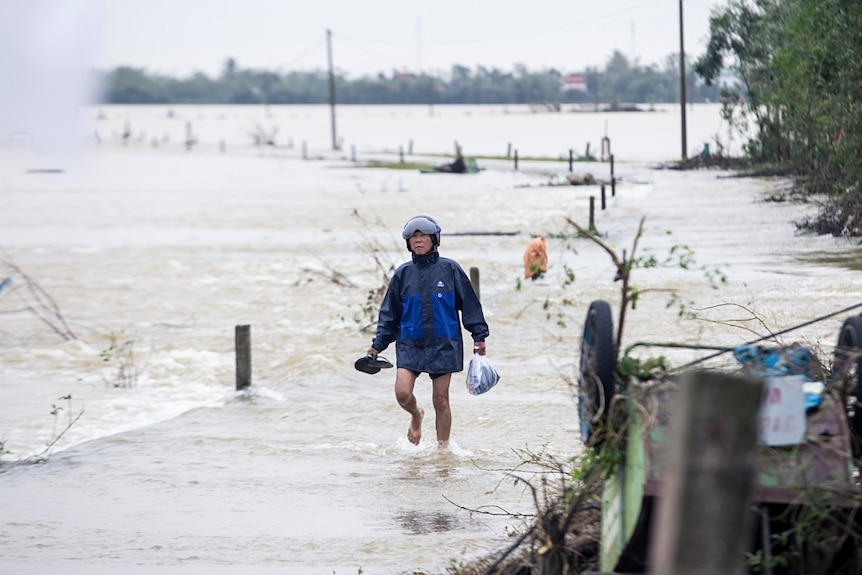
[612, 166]
[709, 475]
[571, 158]
[604, 203]
[592, 213]
[613, 187]
[410, 148]
[516, 160]
[474, 279]
[353, 153]
[401, 154]
[242, 344]
[509, 150]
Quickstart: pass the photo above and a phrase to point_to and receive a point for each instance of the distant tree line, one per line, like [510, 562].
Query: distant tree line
[619, 82]
[798, 63]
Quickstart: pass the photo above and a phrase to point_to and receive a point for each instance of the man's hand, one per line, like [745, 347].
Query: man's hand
[479, 347]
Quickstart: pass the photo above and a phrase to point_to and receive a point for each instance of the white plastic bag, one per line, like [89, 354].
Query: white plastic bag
[481, 375]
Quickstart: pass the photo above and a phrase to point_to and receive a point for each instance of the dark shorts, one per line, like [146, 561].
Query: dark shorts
[433, 376]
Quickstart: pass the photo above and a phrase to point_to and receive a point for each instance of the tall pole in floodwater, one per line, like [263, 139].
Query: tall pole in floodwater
[331, 86]
[682, 97]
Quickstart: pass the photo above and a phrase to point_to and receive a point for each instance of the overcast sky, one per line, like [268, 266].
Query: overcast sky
[47, 47]
[177, 37]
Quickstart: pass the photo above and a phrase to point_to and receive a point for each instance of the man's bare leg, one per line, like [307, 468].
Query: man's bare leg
[440, 397]
[405, 380]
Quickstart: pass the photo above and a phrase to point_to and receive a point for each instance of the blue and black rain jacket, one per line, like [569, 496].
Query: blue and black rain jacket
[420, 313]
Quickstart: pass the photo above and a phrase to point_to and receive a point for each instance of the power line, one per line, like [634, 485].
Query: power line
[377, 57]
[489, 39]
[305, 53]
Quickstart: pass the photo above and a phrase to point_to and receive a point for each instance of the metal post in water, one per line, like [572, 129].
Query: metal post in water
[516, 160]
[604, 203]
[242, 344]
[592, 213]
[474, 279]
[571, 158]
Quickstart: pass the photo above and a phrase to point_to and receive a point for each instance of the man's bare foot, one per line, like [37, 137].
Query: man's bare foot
[414, 434]
[442, 445]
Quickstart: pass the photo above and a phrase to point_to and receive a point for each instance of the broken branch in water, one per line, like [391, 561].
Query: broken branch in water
[37, 300]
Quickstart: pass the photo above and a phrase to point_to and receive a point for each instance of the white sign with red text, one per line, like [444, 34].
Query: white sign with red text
[781, 420]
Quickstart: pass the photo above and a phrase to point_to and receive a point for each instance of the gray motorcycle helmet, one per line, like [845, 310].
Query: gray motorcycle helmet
[424, 224]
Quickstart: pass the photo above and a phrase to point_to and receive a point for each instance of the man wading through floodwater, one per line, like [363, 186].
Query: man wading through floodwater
[420, 314]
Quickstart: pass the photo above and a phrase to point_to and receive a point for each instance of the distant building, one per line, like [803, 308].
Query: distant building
[402, 75]
[573, 83]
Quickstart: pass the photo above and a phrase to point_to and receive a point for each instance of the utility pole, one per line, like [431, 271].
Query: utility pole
[332, 86]
[682, 97]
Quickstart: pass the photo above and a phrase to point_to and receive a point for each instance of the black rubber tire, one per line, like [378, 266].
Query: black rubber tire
[849, 349]
[595, 378]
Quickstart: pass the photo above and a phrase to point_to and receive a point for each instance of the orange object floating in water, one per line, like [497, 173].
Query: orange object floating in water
[536, 258]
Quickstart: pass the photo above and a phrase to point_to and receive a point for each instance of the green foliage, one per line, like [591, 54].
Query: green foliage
[621, 81]
[56, 433]
[595, 462]
[679, 256]
[366, 316]
[570, 275]
[802, 88]
[643, 369]
[555, 310]
[57, 409]
[535, 272]
[803, 535]
[120, 357]
[413, 166]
